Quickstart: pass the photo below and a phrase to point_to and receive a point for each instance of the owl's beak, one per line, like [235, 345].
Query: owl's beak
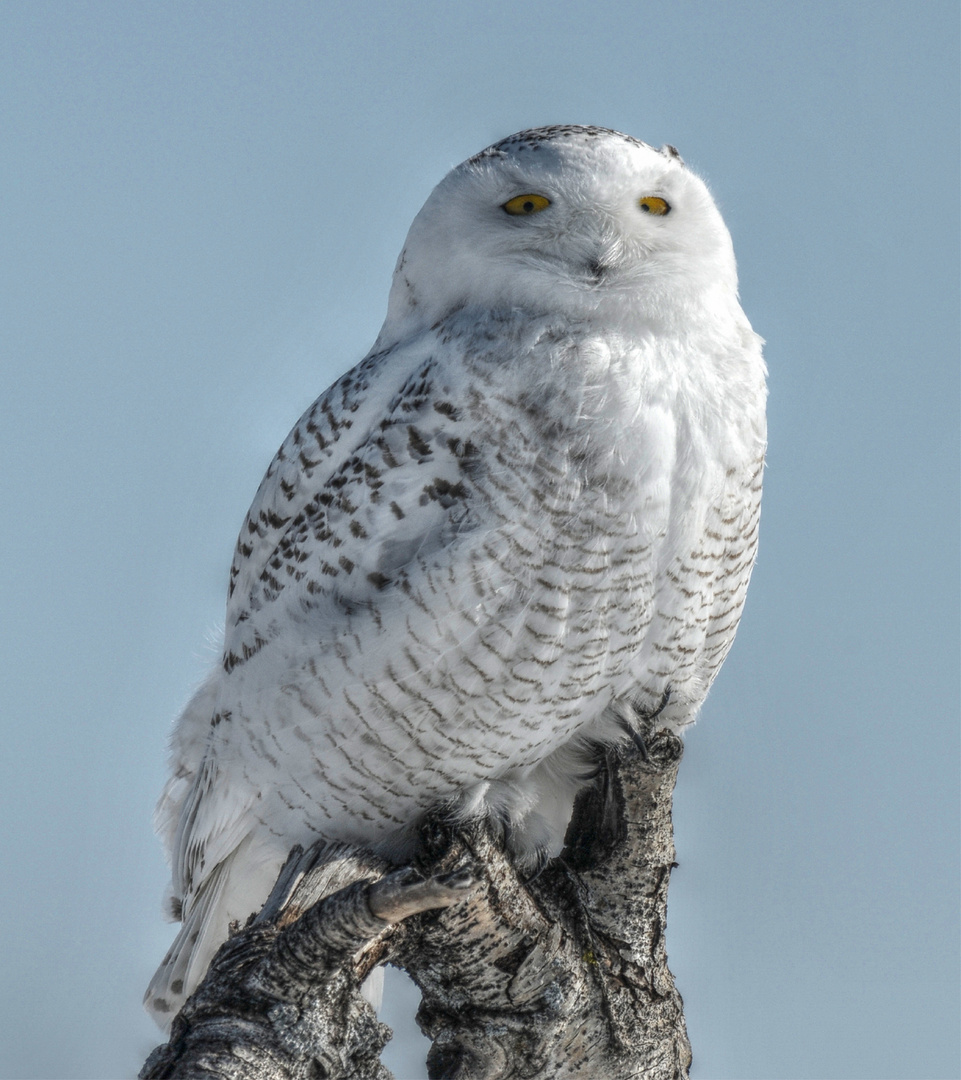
[597, 270]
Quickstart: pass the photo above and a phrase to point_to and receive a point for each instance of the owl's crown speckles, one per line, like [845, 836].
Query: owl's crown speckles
[533, 138]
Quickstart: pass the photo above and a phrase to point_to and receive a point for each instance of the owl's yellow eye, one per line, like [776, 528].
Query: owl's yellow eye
[521, 205]
[651, 204]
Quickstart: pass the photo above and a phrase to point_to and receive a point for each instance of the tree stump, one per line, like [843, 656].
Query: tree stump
[560, 975]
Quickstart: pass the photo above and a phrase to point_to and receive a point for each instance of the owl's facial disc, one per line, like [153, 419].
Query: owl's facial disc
[568, 220]
[589, 224]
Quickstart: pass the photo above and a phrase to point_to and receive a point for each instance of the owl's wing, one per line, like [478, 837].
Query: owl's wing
[374, 477]
[375, 473]
[326, 432]
[369, 478]
[300, 486]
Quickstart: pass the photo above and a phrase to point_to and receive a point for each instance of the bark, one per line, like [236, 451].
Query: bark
[561, 975]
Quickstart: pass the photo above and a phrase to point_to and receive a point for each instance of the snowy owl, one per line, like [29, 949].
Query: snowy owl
[529, 512]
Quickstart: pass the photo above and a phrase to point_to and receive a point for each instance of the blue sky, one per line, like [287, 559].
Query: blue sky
[202, 204]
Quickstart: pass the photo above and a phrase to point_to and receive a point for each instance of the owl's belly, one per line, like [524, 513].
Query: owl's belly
[487, 663]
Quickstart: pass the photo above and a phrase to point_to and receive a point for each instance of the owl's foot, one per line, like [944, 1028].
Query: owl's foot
[641, 734]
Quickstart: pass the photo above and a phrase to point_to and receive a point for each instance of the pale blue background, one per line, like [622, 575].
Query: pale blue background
[201, 207]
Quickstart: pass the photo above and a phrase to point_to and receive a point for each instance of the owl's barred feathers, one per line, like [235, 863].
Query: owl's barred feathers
[532, 508]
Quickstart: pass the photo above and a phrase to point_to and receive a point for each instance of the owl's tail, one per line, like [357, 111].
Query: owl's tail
[204, 930]
[231, 892]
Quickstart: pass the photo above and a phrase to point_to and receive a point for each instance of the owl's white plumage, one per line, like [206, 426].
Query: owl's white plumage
[534, 502]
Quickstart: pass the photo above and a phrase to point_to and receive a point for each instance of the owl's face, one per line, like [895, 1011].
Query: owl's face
[584, 222]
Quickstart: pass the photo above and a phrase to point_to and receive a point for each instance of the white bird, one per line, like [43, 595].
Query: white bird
[532, 507]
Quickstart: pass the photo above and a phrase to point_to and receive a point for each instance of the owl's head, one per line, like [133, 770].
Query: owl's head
[578, 221]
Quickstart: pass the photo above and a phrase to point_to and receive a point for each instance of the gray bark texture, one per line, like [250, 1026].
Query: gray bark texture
[560, 975]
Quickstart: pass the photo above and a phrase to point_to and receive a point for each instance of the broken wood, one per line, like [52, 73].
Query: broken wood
[560, 975]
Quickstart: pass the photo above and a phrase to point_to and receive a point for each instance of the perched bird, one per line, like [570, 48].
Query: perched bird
[531, 510]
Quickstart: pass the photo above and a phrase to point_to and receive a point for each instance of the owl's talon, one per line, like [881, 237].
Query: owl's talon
[461, 878]
[640, 738]
[400, 895]
[640, 742]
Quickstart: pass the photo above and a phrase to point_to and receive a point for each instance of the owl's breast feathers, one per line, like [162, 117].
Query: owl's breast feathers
[537, 508]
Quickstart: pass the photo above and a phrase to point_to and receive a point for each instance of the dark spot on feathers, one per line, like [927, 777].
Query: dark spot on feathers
[252, 650]
[418, 444]
[398, 513]
[444, 492]
[378, 580]
[468, 457]
[461, 449]
[446, 409]
[336, 422]
[346, 563]
[358, 530]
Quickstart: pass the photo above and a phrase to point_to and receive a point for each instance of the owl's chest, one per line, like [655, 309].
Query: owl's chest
[593, 488]
[601, 461]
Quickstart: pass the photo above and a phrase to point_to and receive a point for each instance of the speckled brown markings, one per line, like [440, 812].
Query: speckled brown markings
[535, 138]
